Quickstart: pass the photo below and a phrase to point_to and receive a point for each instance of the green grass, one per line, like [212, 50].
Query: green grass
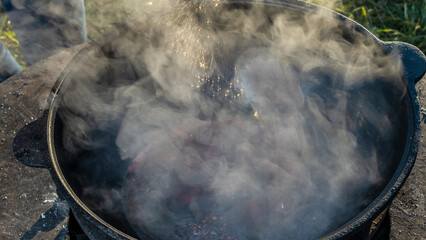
[390, 20]
[7, 35]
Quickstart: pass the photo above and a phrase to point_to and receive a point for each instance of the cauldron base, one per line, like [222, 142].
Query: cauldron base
[381, 232]
[74, 230]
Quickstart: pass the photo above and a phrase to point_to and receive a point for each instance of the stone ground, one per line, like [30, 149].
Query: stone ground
[28, 202]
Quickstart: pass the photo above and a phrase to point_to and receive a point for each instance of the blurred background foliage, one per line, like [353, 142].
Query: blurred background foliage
[7, 35]
[390, 20]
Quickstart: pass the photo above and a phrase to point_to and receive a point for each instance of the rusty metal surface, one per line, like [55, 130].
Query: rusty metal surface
[27, 194]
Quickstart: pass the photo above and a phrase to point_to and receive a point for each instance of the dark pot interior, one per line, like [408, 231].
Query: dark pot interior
[96, 175]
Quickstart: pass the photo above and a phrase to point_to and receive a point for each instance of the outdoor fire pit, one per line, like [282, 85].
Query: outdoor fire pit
[231, 120]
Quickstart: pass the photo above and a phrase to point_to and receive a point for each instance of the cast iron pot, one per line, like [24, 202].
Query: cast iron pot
[40, 143]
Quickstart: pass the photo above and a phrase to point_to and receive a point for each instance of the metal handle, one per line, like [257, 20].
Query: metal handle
[413, 60]
[30, 144]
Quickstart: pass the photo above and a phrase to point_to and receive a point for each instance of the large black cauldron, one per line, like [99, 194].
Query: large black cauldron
[40, 144]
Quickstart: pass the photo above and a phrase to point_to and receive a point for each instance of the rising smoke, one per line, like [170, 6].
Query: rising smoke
[268, 121]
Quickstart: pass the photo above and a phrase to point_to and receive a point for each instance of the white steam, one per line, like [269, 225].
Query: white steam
[253, 112]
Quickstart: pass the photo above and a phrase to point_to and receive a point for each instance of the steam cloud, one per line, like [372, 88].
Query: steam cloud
[268, 121]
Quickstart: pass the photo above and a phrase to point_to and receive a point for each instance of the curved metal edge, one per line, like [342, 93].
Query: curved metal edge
[58, 176]
[379, 204]
[413, 116]
[412, 59]
[399, 177]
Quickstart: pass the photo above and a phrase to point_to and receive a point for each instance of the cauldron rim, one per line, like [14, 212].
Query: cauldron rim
[369, 213]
